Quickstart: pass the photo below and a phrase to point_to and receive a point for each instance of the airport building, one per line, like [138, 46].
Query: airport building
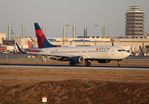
[136, 45]
[134, 22]
[2, 37]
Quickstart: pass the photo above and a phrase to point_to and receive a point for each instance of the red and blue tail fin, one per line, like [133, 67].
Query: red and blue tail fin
[41, 39]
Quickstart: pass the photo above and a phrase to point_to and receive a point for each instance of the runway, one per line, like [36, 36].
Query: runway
[146, 58]
[22, 58]
[74, 67]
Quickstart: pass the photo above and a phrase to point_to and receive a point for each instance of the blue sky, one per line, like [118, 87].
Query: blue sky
[53, 14]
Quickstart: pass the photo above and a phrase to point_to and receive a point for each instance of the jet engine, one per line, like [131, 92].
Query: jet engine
[75, 60]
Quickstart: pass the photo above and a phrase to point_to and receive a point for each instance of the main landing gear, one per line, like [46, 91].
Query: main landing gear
[87, 63]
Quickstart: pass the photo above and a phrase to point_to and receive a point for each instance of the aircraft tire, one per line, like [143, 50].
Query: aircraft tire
[87, 63]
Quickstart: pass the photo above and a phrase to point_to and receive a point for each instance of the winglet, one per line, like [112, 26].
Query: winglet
[20, 49]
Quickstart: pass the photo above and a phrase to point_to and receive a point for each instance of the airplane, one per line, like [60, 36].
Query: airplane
[77, 55]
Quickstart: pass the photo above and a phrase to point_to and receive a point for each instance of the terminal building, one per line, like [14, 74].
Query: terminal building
[135, 45]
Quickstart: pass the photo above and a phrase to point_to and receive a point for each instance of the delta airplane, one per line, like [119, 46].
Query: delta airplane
[76, 55]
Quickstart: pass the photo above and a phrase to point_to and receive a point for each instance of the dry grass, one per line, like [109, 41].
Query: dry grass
[61, 86]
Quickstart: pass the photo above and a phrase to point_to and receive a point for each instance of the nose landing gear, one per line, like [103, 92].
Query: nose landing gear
[118, 62]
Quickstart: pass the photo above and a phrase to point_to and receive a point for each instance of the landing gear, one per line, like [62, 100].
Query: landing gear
[118, 62]
[74, 61]
[87, 63]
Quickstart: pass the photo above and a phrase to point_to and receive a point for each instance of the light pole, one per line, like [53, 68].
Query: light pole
[74, 31]
[99, 28]
[8, 32]
[65, 30]
[22, 30]
[105, 31]
[85, 32]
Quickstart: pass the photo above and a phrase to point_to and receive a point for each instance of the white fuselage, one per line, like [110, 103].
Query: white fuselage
[97, 52]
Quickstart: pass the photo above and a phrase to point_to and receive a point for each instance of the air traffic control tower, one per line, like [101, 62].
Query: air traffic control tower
[134, 22]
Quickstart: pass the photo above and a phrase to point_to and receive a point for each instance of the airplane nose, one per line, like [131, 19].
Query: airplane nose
[128, 53]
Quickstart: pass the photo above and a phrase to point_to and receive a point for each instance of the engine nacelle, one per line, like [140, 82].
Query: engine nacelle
[103, 61]
[77, 59]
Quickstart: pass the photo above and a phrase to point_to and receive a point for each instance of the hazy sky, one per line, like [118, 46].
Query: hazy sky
[53, 14]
